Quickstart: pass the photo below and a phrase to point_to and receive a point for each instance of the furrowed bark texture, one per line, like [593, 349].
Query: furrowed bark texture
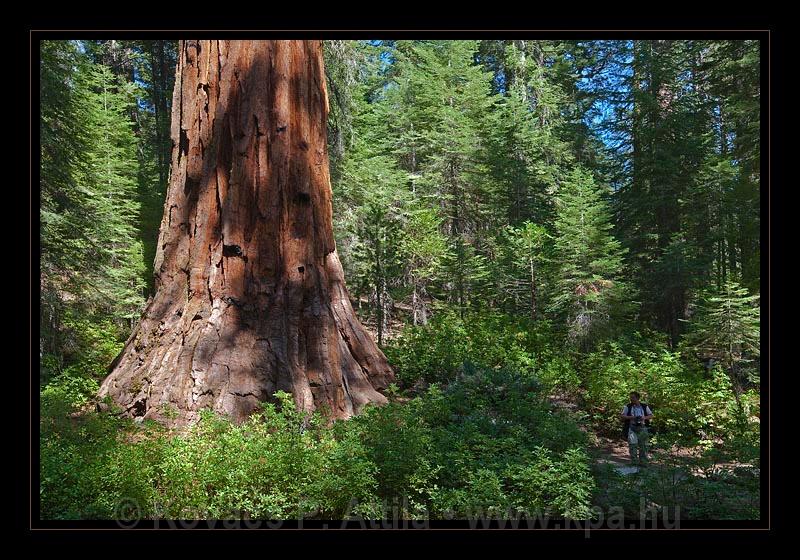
[250, 296]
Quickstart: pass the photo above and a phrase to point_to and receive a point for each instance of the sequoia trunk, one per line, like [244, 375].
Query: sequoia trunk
[250, 296]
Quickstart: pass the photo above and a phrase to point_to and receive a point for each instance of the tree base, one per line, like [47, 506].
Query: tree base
[230, 356]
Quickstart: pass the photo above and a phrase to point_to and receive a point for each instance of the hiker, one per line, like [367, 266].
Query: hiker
[637, 417]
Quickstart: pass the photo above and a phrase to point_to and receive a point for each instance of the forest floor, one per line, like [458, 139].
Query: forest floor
[684, 461]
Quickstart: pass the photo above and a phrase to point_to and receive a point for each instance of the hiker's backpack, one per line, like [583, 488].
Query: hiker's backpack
[626, 427]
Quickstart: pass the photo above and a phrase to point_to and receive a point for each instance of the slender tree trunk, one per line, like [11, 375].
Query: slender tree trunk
[379, 285]
[250, 296]
[533, 289]
[416, 304]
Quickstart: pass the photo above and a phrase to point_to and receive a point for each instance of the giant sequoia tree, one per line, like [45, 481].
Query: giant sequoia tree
[250, 296]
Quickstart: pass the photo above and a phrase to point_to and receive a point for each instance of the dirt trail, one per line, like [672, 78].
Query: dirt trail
[607, 451]
[603, 450]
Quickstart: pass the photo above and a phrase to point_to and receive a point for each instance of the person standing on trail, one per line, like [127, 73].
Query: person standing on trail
[637, 417]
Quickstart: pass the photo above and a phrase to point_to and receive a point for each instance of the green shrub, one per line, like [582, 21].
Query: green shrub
[482, 439]
[554, 485]
[437, 352]
[483, 495]
[278, 464]
[92, 344]
[558, 373]
[67, 392]
[398, 442]
[682, 488]
[687, 401]
[456, 451]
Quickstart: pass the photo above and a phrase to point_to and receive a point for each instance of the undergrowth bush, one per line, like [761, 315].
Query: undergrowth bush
[437, 351]
[486, 442]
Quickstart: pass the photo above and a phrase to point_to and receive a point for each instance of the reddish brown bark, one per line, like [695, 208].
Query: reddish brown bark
[250, 296]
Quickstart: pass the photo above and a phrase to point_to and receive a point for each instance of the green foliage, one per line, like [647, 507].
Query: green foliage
[372, 206]
[119, 284]
[494, 134]
[88, 348]
[399, 444]
[459, 451]
[589, 289]
[342, 60]
[438, 351]
[475, 447]
[66, 393]
[690, 404]
[275, 465]
[527, 151]
[65, 137]
[91, 345]
[519, 267]
[425, 252]
[688, 164]
[92, 262]
[726, 328]
[558, 373]
[683, 488]
[555, 486]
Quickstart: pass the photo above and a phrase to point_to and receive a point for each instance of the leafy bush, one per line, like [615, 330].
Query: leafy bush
[92, 344]
[278, 464]
[688, 402]
[463, 450]
[87, 348]
[67, 392]
[554, 485]
[558, 373]
[482, 439]
[437, 352]
[86, 467]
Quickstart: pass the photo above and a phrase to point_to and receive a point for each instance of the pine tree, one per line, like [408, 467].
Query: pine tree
[519, 269]
[447, 97]
[731, 74]
[726, 328]
[588, 289]
[91, 254]
[113, 165]
[371, 199]
[527, 152]
[65, 211]
[424, 249]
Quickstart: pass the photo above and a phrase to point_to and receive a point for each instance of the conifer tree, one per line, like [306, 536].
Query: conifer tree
[424, 249]
[450, 97]
[65, 212]
[520, 266]
[92, 260]
[726, 328]
[372, 196]
[114, 169]
[589, 287]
